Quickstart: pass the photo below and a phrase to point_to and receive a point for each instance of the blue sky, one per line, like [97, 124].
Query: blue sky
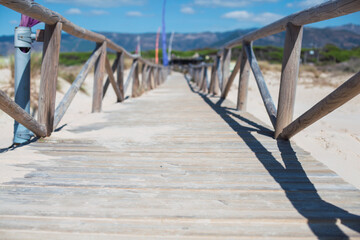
[139, 16]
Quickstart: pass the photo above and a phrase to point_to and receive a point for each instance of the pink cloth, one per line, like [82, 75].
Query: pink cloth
[28, 21]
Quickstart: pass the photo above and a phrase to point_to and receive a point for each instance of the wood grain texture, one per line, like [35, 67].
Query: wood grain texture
[75, 87]
[49, 75]
[113, 69]
[264, 91]
[231, 78]
[289, 77]
[131, 75]
[337, 98]
[20, 115]
[179, 165]
[111, 77]
[226, 59]
[136, 91]
[327, 10]
[98, 79]
[212, 80]
[120, 74]
[243, 82]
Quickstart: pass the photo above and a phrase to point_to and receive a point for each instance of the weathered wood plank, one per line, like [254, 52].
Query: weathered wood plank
[226, 59]
[113, 69]
[231, 78]
[112, 79]
[337, 98]
[289, 76]
[243, 82]
[120, 74]
[75, 87]
[136, 92]
[49, 75]
[130, 76]
[20, 115]
[264, 91]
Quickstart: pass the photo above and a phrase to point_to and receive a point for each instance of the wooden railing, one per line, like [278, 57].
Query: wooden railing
[49, 117]
[281, 118]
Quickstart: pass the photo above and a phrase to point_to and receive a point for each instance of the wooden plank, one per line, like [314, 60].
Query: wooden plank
[289, 77]
[211, 89]
[20, 115]
[144, 77]
[191, 168]
[98, 79]
[201, 77]
[131, 75]
[49, 75]
[219, 71]
[120, 74]
[112, 79]
[107, 81]
[148, 78]
[75, 87]
[226, 59]
[231, 78]
[205, 83]
[327, 10]
[337, 98]
[264, 91]
[136, 92]
[243, 82]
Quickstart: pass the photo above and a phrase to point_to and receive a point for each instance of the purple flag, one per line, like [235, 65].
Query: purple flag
[28, 21]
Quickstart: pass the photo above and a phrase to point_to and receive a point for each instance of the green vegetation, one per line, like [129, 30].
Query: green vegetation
[78, 58]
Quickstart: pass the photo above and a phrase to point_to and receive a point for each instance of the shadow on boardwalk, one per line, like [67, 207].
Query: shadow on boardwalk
[322, 217]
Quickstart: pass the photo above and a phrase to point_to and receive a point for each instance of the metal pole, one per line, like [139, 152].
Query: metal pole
[22, 43]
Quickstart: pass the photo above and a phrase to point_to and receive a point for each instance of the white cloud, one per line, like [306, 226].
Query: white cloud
[262, 18]
[289, 5]
[227, 3]
[187, 10]
[134, 14]
[100, 3]
[73, 11]
[98, 12]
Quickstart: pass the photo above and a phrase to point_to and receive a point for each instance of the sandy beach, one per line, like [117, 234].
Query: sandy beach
[334, 140]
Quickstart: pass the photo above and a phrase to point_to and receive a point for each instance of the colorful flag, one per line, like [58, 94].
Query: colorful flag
[157, 47]
[165, 57]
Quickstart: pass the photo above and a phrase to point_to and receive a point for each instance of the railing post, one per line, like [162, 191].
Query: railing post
[243, 82]
[144, 78]
[289, 76]
[225, 67]
[136, 83]
[120, 73]
[98, 79]
[49, 75]
[219, 70]
[204, 82]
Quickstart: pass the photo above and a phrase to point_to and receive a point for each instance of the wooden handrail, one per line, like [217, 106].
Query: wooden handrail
[49, 118]
[20, 115]
[293, 24]
[43, 14]
[75, 87]
[337, 98]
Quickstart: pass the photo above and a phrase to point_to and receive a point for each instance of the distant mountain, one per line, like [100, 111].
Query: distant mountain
[346, 36]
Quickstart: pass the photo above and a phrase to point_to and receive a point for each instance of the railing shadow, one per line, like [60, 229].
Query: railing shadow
[322, 216]
[15, 146]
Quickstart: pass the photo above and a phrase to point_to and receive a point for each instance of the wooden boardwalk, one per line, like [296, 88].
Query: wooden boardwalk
[175, 164]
